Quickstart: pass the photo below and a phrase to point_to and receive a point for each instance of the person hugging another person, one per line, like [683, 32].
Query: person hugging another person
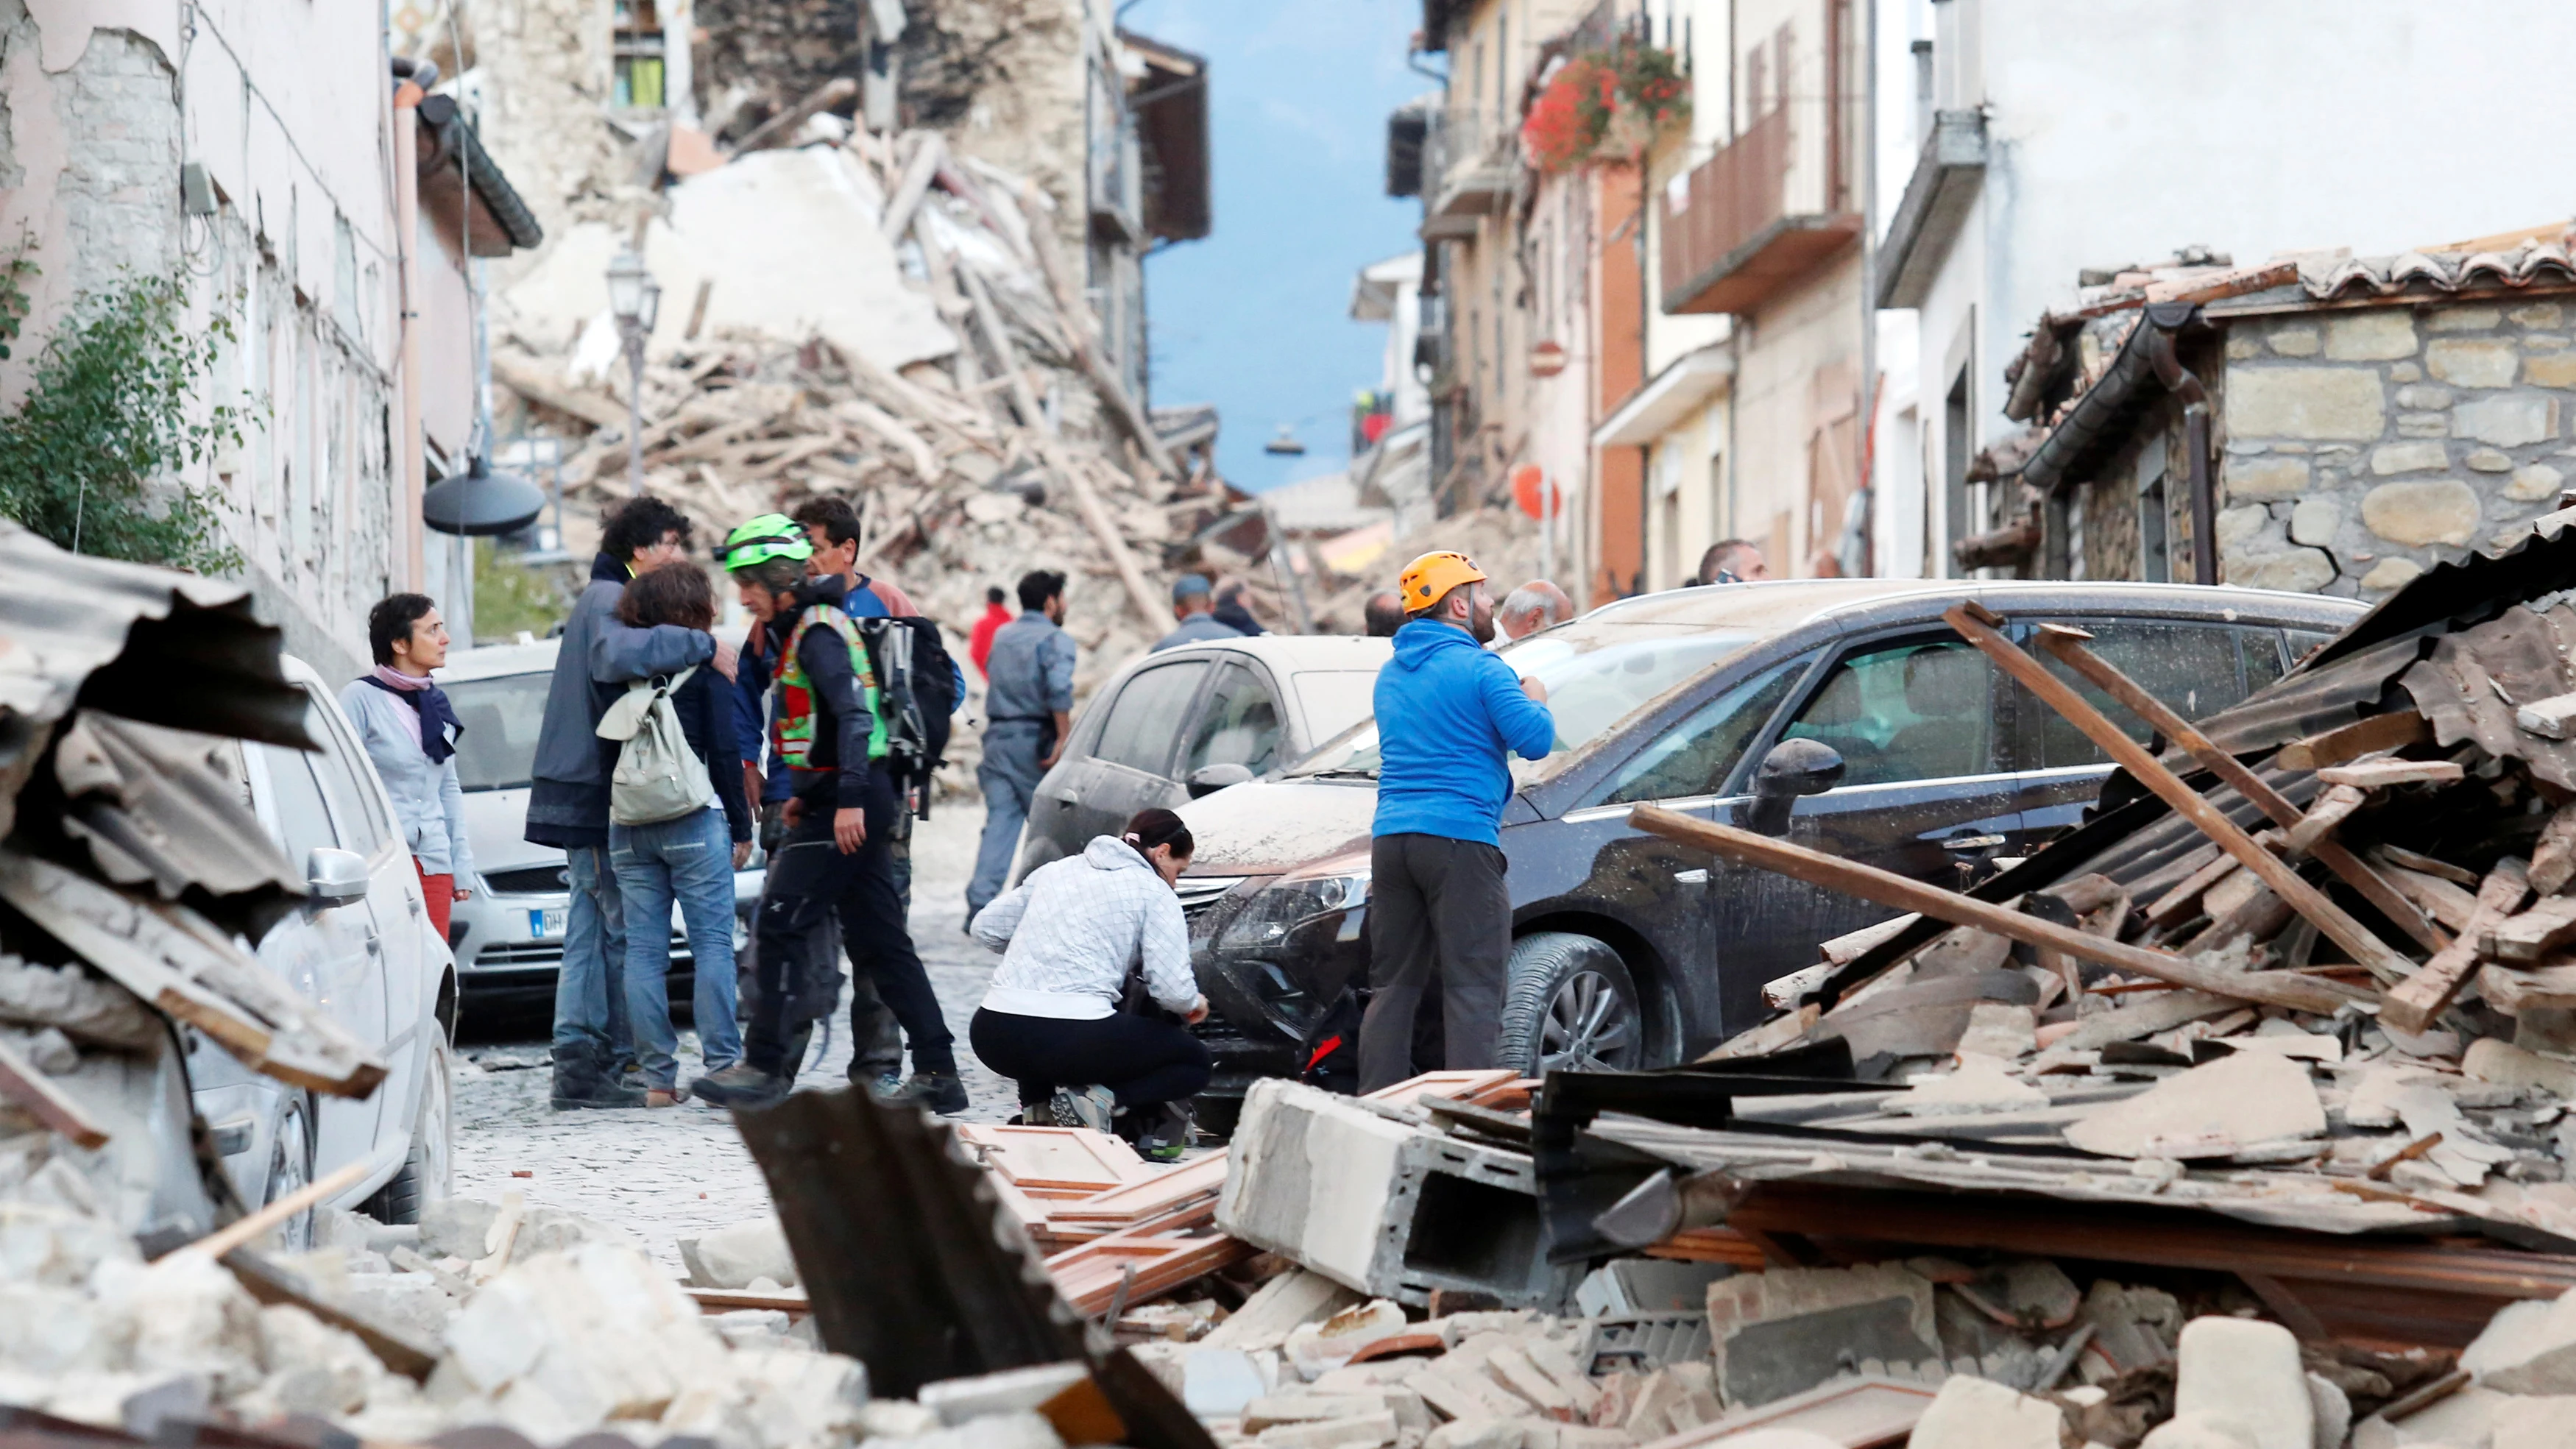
[1052, 1020]
[691, 857]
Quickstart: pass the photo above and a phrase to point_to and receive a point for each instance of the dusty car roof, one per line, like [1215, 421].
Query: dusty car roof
[1297, 651]
[491, 661]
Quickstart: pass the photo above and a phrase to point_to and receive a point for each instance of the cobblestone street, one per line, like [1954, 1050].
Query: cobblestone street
[675, 1173]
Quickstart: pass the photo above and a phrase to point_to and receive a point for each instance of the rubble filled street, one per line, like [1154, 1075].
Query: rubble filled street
[1726, 724]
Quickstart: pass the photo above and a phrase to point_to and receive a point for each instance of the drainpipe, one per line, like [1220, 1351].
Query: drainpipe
[2167, 319]
[415, 469]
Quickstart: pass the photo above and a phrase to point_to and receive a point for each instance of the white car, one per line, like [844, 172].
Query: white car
[509, 936]
[363, 951]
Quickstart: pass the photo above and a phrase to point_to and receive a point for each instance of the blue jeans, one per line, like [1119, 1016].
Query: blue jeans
[590, 989]
[1009, 777]
[690, 858]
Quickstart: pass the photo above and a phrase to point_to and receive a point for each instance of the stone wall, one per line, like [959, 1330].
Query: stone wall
[2361, 447]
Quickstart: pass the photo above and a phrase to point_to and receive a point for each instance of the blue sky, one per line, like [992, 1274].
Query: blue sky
[1256, 317]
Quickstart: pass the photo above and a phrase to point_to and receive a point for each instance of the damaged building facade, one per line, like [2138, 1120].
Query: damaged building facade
[2334, 424]
[249, 153]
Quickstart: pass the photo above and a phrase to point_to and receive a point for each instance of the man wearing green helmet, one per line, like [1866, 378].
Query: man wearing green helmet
[827, 739]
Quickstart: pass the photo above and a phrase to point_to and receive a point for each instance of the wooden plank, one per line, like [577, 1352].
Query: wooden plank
[1146, 1197]
[2385, 774]
[1982, 627]
[2332, 809]
[2550, 986]
[1898, 892]
[2066, 645]
[25, 1084]
[2446, 902]
[2553, 860]
[242, 1231]
[1844, 949]
[2523, 939]
[2400, 855]
[790, 1301]
[2183, 901]
[2412, 1004]
[1064, 1162]
[2378, 733]
[1464, 1085]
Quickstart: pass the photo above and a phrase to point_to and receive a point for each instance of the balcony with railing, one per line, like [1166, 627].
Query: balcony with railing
[1764, 213]
[1468, 161]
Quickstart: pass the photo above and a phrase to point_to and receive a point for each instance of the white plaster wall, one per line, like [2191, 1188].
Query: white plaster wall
[2123, 129]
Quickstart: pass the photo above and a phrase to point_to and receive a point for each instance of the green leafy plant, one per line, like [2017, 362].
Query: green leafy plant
[90, 459]
[14, 301]
[510, 596]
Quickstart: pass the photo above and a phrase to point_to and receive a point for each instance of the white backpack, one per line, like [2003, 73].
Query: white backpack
[658, 776]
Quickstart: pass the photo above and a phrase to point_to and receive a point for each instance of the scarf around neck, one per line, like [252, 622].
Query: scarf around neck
[437, 721]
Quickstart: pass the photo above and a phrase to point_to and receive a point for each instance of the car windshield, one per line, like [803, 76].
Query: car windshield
[1335, 699]
[1595, 677]
[498, 750]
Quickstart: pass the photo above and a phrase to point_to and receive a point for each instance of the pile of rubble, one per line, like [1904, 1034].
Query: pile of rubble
[934, 363]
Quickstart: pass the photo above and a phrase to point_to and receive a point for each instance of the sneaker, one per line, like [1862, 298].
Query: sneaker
[1167, 1138]
[1090, 1107]
[939, 1092]
[739, 1085]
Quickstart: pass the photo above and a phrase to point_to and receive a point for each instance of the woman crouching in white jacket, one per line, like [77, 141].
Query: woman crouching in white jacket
[1069, 934]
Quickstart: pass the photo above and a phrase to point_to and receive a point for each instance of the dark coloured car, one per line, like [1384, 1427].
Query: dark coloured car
[1633, 950]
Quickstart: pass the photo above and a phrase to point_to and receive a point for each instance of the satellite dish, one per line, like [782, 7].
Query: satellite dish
[480, 503]
[1285, 445]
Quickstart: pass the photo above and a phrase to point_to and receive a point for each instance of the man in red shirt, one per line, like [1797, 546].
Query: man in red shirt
[979, 645]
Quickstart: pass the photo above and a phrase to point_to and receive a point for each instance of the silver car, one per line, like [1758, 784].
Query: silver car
[509, 935]
[360, 948]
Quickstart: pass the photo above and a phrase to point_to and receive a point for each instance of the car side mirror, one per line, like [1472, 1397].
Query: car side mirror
[1793, 768]
[335, 877]
[1208, 779]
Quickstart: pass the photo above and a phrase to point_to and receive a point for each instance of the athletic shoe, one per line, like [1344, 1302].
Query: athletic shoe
[739, 1085]
[1090, 1107]
[939, 1092]
[1169, 1136]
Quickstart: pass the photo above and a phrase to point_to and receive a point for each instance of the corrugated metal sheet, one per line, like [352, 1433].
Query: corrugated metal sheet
[148, 644]
[2477, 678]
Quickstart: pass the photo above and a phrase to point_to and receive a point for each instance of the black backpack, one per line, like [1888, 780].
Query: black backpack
[917, 692]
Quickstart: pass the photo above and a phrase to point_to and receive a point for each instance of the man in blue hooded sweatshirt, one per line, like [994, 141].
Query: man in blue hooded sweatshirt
[1448, 713]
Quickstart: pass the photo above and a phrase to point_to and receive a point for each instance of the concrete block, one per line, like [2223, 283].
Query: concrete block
[1971, 1413]
[2531, 1422]
[1217, 1383]
[957, 1401]
[2465, 1420]
[1645, 1342]
[2527, 1348]
[1511, 1367]
[733, 1257]
[1278, 1307]
[1363, 1431]
[2489, 1060]
[188, 1316]
[455, 1227]
[2248, 1371]
[1383, 1207]
[2333, 1412]
[2208, 1111]
[1783, 1356]
[1629, 1285]
[46, 1243]
[1464, 1392]
[2199, 1431]
[1477, 1434]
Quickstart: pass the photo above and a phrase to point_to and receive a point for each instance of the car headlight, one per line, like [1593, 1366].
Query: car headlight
[1295, 944]
[1282, 911]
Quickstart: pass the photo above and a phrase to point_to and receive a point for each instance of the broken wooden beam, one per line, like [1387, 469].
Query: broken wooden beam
[2379, 733]
[2301, 993]
[2553, 718]
[780, 129]
[2067, 646]
[2387, 774]
[2412, 1004]
[1982, 627]
[2332, 809]
[25, 1084]
[2523, 939]
[2413, 860]
[2553, 860]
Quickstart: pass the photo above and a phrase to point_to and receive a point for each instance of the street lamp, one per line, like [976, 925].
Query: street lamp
[636, 299]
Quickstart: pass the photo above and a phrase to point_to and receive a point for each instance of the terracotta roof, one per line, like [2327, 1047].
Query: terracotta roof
[2533, 263]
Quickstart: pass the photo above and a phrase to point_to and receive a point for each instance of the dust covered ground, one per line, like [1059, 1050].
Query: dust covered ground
[677, 1172]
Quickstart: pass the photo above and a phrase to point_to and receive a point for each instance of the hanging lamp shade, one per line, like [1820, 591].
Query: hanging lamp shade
[480, 503]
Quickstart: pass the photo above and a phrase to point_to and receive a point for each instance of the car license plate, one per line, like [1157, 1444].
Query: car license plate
[546, 924]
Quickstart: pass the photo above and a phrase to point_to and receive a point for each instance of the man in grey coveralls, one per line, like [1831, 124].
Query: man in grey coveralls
[1028, 710]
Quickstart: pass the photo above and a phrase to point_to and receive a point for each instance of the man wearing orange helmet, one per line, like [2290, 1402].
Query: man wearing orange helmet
[1448, 713]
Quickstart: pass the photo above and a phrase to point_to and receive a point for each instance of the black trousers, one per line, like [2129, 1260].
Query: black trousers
[1142, 1061]
[1439, 911]
[810, 879]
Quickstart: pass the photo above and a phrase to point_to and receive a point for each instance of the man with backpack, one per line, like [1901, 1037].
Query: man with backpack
[831, 737]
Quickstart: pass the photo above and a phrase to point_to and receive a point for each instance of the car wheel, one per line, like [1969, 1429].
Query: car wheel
[1569, 1004]
[428, 1170]
[290, 1167]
